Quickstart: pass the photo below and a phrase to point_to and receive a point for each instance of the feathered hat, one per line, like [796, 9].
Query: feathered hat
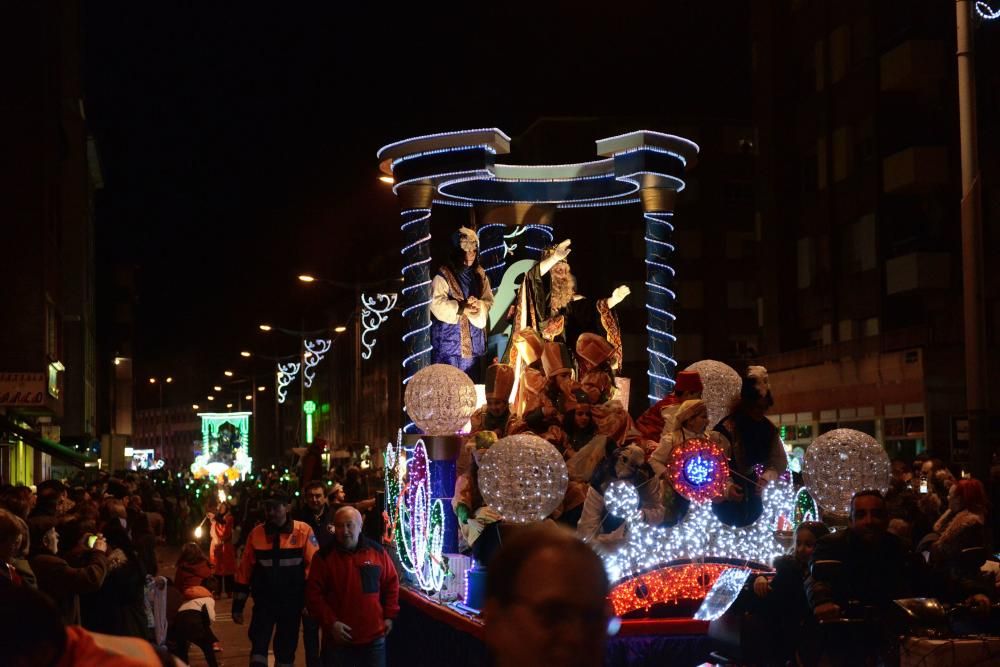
[466, 239]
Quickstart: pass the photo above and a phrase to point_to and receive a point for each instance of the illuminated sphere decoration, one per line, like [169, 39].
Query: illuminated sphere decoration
[440, 399]
[698, 469]
[523, 477]
[842, 462]
[621, 499]
[720, 387]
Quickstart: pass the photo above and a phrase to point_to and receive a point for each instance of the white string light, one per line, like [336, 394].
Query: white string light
[314, 353]
[374, 313]
[699, 534]
[286, 375]
[985, 11]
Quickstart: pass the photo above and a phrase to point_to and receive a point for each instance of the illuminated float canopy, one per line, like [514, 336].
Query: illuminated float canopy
[225, 446]
[461, 169]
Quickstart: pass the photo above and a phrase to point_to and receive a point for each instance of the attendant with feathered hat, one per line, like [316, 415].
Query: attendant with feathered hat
[460, 306]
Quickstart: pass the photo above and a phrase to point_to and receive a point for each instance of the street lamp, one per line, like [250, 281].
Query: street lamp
[388, 180]
[340, 329]
[306, 278]
[195, 407]
[244, 353]
[228, 374]
[264, 327]
[217, 388]
[159, 386]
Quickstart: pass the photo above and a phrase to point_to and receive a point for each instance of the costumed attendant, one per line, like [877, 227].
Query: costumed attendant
[477, 522]
[626, 464]
[460, 305]
[595, 357]
[690, 421]
[223, 553]
[585, 449]
[653, 423]
[495, 415]
[749, 439]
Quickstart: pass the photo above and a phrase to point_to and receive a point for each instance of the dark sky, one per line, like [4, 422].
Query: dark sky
[238, 142]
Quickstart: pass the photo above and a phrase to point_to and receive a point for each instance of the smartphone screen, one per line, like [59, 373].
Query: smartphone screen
[91, 541]
[923, 486]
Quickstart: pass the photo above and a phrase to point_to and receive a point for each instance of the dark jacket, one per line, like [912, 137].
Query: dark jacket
[64, 583]
[322, 525]
[873, 574]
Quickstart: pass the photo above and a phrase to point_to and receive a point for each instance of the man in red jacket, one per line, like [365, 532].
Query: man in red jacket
[353, 590]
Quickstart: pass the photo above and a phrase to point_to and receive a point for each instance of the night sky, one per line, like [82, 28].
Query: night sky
[238, 143]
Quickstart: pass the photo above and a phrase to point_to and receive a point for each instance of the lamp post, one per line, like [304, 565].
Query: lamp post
[976, 387]
[159, 386]
[355, 319]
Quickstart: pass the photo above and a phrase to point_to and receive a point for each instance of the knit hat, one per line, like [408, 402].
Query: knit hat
[499, 381]
[688, 381]
[594, 349]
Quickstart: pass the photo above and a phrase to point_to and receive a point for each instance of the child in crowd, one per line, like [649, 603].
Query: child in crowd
[193, 569]
[193, 623]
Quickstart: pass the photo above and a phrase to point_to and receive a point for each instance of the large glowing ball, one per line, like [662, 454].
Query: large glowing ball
[720, 387]
[842, 462]
[698, 469]
[523, 477]
[621, 499]
[440, 399]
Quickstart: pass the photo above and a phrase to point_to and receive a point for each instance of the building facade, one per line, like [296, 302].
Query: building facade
[48, 357]
[858, 217]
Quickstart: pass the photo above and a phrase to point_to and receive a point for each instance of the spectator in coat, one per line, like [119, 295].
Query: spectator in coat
[312, 462]
[11, 538]
[32, 633]
[57, 578]
[192, 569]
[274, 569]
[223, 553]
[318, 514]
[353, 590]
[875, 565]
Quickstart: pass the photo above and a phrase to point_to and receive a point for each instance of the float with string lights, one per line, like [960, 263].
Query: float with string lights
[667, 565]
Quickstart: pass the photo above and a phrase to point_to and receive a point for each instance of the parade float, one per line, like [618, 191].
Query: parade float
[670, 580]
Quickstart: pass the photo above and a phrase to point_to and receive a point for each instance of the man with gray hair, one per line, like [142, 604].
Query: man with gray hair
[353, 590]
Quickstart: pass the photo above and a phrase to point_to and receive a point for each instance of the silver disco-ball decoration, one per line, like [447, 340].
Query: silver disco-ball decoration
[720, 387]
[523, 477]
[440, 399]
[842, 462]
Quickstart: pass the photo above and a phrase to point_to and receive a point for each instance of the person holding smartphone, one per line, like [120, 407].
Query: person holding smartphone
[56, 577]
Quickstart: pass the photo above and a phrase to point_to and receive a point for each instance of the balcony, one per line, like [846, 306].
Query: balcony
[890, 341]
